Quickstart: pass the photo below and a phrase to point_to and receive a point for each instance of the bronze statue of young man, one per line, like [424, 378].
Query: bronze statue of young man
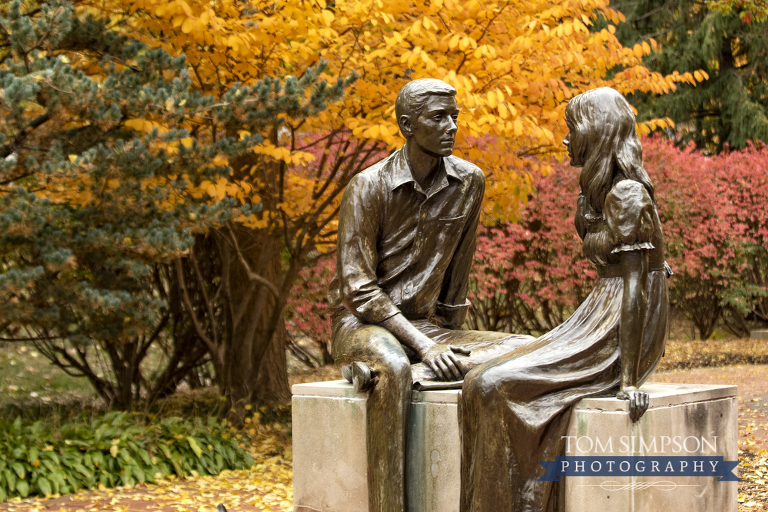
[407, 228]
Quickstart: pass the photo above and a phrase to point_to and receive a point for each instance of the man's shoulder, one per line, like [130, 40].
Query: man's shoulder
[465, 169]
[373, 174]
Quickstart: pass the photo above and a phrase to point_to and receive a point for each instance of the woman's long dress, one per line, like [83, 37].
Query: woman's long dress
[515, 409]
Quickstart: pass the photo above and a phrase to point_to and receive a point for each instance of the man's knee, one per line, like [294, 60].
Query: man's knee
[387, 357]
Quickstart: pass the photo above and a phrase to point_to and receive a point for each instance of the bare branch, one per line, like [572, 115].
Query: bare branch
[192, 314]
[251, 275]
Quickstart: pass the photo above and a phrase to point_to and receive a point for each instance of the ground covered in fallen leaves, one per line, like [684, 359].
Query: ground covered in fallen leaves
[268, 486]
[752, 381]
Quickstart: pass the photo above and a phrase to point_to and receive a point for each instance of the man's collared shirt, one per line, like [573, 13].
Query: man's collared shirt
[403, 249]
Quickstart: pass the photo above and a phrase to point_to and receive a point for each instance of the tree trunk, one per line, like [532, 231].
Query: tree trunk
[253, 353]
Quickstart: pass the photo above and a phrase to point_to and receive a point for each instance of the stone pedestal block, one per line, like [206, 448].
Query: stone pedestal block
[683, 420]
[329, 462]
[759, 335]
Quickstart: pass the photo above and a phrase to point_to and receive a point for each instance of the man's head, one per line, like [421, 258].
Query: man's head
[426, 113]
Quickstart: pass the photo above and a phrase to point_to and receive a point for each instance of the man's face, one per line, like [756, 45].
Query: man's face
[435, 128]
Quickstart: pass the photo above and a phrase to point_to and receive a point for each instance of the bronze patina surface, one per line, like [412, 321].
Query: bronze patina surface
[406, 238]
[407, 229]
[515, 409]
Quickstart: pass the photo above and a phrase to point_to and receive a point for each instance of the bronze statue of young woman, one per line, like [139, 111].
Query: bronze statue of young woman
[516, 408]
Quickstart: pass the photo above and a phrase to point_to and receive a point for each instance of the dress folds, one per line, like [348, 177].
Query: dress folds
[515, 409]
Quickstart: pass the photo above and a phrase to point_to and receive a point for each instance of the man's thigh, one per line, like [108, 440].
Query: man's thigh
[483, 346]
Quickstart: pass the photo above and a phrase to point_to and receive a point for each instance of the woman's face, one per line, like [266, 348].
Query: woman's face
[573, 143]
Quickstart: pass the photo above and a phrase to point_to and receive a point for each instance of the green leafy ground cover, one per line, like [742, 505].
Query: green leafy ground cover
[47, 458]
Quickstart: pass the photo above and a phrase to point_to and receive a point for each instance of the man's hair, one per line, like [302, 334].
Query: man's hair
[414, 95]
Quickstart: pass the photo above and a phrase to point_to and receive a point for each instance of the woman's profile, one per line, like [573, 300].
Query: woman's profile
[515, 408]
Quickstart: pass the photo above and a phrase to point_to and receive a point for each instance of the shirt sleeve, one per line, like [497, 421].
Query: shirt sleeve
[452, 304]
[357, 256]
[629, 215]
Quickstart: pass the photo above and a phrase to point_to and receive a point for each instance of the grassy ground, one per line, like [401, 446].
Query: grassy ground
[26, 373]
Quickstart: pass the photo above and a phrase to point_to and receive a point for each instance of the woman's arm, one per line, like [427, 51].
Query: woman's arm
[634, 265]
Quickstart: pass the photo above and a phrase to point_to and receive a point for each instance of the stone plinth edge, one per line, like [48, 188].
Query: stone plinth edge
[661, 394]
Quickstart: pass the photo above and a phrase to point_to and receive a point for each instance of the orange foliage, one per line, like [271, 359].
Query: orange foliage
[515, 63]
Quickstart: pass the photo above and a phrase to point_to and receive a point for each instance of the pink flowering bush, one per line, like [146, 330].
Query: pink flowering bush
[529, 276]
[715, 214]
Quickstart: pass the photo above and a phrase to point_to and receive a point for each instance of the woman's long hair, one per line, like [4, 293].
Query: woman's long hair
[603, 131]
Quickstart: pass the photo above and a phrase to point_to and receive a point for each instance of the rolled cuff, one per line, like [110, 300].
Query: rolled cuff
[451, 316]
[641, 246]
[375, 310]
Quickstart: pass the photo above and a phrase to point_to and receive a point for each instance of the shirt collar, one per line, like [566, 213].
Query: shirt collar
[401, 173]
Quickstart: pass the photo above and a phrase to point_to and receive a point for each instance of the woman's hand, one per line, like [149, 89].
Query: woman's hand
[638, 401]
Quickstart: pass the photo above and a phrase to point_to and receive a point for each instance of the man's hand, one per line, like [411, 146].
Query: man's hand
[442, 360]
[638, 401]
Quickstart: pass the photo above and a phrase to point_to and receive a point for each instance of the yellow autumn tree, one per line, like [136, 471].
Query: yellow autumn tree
[514, 64]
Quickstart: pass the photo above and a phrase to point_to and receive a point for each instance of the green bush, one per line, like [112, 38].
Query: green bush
[116, 449]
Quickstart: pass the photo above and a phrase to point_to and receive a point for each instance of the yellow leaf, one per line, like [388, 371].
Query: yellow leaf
[188, 25]
[72, 158]
[135, 124]
[518, 127]
[637, 50]
[328, 17]
[184, 5]
[492, 101]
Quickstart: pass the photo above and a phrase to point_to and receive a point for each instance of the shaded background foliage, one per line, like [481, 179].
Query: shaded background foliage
[727, 40]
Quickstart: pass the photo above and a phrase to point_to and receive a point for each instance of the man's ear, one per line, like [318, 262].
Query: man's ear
[406, 127]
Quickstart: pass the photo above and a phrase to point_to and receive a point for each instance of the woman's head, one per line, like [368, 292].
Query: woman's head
[602, 139]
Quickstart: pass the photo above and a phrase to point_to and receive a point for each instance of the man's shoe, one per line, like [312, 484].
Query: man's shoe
[360, 375]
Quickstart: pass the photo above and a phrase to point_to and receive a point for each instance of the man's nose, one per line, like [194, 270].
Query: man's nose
[452, 127]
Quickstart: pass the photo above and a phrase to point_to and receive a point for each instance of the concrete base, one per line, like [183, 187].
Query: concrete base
[759, 335]
[329, 463]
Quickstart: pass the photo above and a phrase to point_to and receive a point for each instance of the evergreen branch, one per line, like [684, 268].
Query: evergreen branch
[35, 123]
[16, 178]
[653, 11]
